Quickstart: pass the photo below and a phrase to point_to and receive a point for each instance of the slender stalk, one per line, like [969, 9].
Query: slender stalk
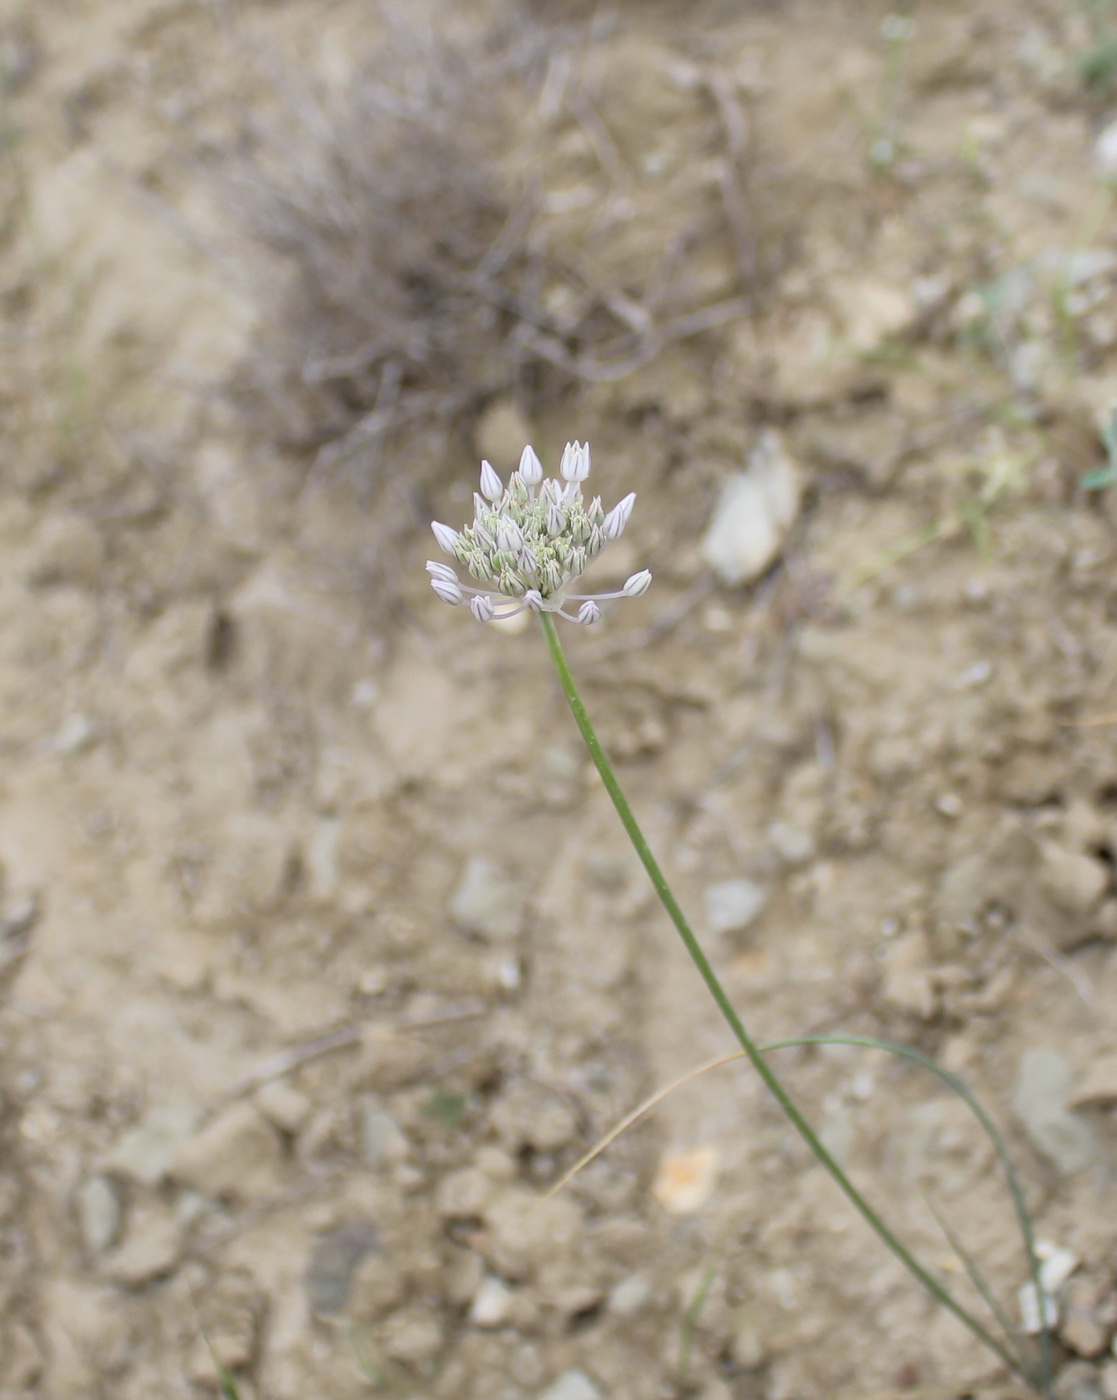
[733, 1020]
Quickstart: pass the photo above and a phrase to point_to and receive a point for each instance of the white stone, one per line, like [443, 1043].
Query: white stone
[487, 902]
[792, 844]
[732, 905]
[754, 513]
[1040, 1099]
[492, 1304]
[98, 1213]
[1105, 151]
[573, 1385]
[283, 1105]
[630, 1295]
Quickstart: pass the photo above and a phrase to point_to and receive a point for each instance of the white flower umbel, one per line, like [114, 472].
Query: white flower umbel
[530, 540]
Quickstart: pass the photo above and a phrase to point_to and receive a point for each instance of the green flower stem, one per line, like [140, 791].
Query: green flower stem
[736, 1025]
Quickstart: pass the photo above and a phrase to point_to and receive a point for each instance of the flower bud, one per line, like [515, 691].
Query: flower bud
[552, 578]
[447, 591]
[446, 537]
[442, 571]
[617, 518]
[534, 599]
[481, 608]
[589, 613]
[637, 584]
[595, 512]
[556, 519]
[509, 536]
[531, 469]
[491, 487]
[575, 464]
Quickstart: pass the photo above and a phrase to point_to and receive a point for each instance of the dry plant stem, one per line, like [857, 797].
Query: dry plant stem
[733, 1020]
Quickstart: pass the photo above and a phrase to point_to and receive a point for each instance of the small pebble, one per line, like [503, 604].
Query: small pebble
[492, 1304]
[793, 845]
[99, 1213]
[732, 905]
[487, 902]
[1105, 151]
[627, 1297]
[573, 1385]
[685, 1181]
[1043, 1088]
[753, 514]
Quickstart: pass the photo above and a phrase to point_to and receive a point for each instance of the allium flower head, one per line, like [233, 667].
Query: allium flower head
[530, 540]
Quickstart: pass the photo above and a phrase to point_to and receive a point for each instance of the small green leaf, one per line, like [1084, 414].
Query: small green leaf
[447, 1109]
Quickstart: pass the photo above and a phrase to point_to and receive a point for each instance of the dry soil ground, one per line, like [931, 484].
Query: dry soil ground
[269, 1070]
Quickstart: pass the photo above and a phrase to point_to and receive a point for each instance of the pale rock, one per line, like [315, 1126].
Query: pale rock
[1077, 1380]
[492, 1305]
[1098, 1086]
[1075, 882]
[1040, 1098]
[376, 1286]
[390, 1059]
[69, 550]
[465, 1194]
[230, 1316]
[335, 1259]
[1089, 1310]
[74, 735]
[573, 1385]
[99, 1214]
[526, 1232]
[237, 1156]
[150, 1251]
[792, 844]
[1105, 151]
[906, 983]
[630, 1295]
[412, 1335]
[284, 1106]
[748, 1346]
[1104, 922]
[685, 1181]
[321, 858]
[733, 905]
[382, 1141]
[754, 513]
[144, 1154]
[488, 902]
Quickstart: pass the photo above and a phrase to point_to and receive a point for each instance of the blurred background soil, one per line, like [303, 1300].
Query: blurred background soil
[321, 953]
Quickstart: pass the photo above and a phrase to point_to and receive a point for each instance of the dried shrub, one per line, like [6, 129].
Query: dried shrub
[426, 277]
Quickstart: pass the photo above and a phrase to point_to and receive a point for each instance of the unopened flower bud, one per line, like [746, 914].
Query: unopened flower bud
[575, 464]
[442, 571]
[589, 613]
[534, 599]
[617, 518]
[595, 512]
[531, 469]
[447, 591]
[556, 519]
[491, 487]
[509, 536]
[637, 584]
[446, 537]
[481, 608]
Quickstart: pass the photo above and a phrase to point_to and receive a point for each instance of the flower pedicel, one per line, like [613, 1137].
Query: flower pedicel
[530, 540]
